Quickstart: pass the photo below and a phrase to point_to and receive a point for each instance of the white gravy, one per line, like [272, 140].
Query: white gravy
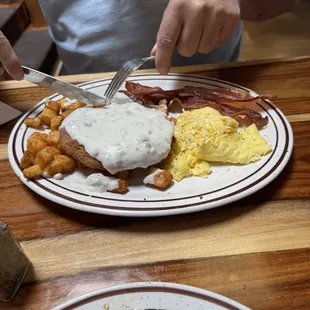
[58, 176]
[122, 136]
[97, 182]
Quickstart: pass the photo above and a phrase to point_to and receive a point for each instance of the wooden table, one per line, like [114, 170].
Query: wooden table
[255, 251]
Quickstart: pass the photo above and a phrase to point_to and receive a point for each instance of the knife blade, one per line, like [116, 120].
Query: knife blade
[64, 88]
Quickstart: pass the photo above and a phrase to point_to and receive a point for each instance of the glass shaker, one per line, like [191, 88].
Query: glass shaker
[13, 264]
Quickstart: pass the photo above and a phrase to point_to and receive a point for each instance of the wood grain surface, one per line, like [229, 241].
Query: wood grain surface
[255, 251]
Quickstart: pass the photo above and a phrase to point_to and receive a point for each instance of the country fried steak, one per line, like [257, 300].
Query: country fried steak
[77, 151]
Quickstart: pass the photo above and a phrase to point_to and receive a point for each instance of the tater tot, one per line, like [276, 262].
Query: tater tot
[76, 105]
[46, 115]
[53, 138]
[163, 106]
[38, 136]
[27, 160]
[63, 104]
[68, 163]
[54, 105]
[33, 122]
[56, 122]
[122, 187]
[66, 113]
[70, 105]
[53, 168]
[172, 120]
[159, 178]
[98, 106]
[32, 172]
[35, 145]
[61, 164]
[46, 156]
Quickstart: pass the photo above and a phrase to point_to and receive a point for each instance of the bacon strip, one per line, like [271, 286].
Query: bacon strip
[190, 97]
[217, 94]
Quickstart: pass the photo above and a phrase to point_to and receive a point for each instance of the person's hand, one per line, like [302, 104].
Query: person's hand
[9, 60]
[194, 26]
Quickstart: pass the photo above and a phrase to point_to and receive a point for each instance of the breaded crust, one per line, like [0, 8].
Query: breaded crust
[77, 151]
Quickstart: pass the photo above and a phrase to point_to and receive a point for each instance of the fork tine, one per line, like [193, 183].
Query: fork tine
[115, 81]
[115, 78]
[118, 82]
[128, 68]
[111, 85]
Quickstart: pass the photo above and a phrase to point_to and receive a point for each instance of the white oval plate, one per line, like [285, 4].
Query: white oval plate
[152, 295]
[226, 184]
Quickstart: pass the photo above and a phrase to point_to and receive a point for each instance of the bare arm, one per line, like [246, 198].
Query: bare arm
[256, 10]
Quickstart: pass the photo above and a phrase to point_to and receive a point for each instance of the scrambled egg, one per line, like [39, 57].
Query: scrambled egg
[204, 135]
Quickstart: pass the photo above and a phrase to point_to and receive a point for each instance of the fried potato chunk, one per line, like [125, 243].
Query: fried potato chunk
[53, 138]
[98, 106]
[76, 105]
[68, 163]
[38, 136]
[32, 172]
[53, 168]
[67, 105]
[56, 122]
[163, 106]
[46, 115]
[61, 164]
[66, 113]
[46, 156]
[27, 160]
[35, 145]
[63, 104]
[33, 122]
[158, 178]
[172, 120]
[122, 187]
[54, 105]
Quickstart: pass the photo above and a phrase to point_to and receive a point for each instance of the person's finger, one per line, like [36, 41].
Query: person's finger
[154, 50]
[167, 38]
[208, 40]
[9, 59]
[226, 32]
[210, 34]
[232, 19]
[189, 39]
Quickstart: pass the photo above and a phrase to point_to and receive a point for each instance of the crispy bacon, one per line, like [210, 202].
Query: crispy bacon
[155, 94]
[190, 97]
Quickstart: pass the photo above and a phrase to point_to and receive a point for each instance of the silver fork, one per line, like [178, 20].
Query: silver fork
[123, 73]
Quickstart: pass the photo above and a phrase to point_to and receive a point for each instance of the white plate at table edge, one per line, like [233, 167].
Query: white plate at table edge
[124, 205]
[155, 293]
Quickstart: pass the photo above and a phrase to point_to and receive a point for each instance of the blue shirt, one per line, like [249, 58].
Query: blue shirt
[100, 35]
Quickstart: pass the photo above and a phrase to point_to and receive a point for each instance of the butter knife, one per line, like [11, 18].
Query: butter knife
[64, 88]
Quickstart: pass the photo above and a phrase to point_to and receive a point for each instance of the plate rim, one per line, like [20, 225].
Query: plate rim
[190, 208]
[130, 287]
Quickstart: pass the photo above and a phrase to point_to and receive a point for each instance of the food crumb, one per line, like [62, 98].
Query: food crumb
[106, 307]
